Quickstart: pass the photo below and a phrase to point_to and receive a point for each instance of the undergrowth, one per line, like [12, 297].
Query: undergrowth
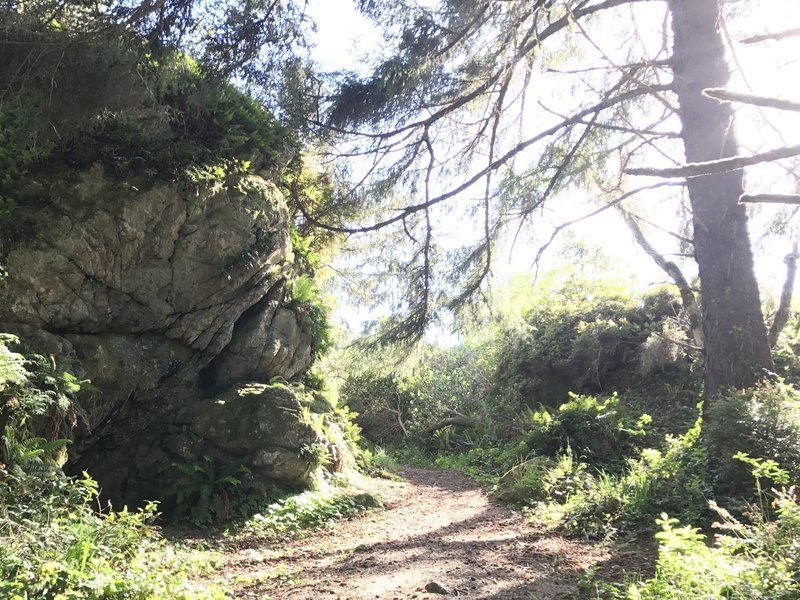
[56, 540]
[307, 511]
[57, 543]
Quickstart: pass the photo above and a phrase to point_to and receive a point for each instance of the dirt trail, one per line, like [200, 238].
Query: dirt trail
[439, 527]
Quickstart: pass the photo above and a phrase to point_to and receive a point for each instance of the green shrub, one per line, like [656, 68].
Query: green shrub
[35, 409]
[765, 422]
[586, 341]
[673, 480]
[204, 493]
[54, 543]
[598, 430]
[786, 353]
[749, 560]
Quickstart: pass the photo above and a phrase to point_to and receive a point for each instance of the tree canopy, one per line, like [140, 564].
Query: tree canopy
[487, 113]
[259, 42]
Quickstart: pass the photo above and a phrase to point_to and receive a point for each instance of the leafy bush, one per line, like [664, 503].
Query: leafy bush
[303, 295]
[54, 543]
[786, 353]
[35, 409]
[749, 560]
[204, 493]
[587, 341]
[600, 431]
[764, 421]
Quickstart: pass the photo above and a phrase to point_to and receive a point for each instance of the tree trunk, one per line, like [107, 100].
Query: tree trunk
[736, 342]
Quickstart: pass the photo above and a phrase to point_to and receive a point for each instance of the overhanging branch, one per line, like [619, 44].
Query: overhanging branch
[770, 198]
[493, 166]
[765, 101]
[778, 35]
[713, 167]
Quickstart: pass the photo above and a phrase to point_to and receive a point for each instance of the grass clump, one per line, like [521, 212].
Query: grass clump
[673, 479]
[379, 463]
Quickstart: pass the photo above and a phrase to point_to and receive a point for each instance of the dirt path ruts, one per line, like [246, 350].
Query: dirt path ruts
[438, 526]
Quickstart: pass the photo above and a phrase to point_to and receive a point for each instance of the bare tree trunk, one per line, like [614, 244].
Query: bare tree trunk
[670, 268]
[737, 348]
[785, 305]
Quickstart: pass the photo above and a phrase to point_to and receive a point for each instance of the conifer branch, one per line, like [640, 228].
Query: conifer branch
[722, 165]
[770, 198]
[741, 98]
[776, 36]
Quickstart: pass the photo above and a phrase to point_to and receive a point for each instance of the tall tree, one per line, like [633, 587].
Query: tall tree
[447, 116]
[736, 337]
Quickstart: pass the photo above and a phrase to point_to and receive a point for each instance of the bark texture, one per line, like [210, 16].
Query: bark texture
[737, 348]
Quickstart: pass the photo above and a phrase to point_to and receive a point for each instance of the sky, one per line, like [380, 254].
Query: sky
[345, 41]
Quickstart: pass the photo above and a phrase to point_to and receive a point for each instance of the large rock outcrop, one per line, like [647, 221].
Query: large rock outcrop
[169, 299]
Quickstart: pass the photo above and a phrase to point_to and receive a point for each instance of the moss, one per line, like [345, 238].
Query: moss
[134, 113]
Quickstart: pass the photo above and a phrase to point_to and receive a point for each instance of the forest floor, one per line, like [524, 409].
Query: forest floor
[439, 533]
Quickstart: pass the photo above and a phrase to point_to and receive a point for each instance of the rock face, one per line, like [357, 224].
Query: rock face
[167, 299]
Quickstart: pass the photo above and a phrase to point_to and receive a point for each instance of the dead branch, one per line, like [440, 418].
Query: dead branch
[457, 421]
[741, 98]
[671, 269]
[713, 167]
[778, 35]
[684, 345]
[770, 198]
[785, 305]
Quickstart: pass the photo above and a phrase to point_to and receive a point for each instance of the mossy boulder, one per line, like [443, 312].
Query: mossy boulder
[262, 428]
[147, 247]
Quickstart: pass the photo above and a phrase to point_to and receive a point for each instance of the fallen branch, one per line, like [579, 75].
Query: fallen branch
[722, 165]
[456, 420]
[770, 198]
[765, 101]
